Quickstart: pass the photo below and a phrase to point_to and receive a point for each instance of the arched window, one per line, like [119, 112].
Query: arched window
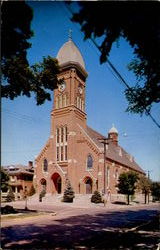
[56, 102]
[89, 162]
[57, 135]
[61, 143]
[45, 165]
[64, 101]
[77, 101]
[60, 101]
[82, 105]
[116, 174]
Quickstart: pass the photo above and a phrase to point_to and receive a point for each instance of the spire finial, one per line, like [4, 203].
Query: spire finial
[70, 35]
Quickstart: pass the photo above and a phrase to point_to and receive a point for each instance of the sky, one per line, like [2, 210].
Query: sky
[26, 126]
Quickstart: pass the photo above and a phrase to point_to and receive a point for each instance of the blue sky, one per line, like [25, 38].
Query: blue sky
[26, 127]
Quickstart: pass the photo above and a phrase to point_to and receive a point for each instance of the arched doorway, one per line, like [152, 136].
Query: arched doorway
[88, 183]
[43, 184]
[57, 182]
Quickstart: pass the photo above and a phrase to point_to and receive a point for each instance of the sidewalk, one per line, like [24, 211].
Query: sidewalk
[58, 206]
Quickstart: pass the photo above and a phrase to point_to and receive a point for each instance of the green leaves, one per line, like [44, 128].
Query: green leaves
[127, 183]
[44, 78]
[155, 189]
[18, 77]
[139, 24]
[144, 184]
[4, 180]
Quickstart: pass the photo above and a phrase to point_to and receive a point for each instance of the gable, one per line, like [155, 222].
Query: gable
[113, 152]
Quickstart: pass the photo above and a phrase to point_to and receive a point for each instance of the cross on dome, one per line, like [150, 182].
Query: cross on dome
[70, 35]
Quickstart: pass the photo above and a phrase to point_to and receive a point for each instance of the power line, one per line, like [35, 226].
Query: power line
[123, 81]
[117, 73]
[22, 116]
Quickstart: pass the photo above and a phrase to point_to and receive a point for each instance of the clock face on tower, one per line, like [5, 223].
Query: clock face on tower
[62, 86]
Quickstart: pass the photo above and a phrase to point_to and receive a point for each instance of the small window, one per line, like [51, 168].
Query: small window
[116, 174]
[57, 135]
[62, 134]
[66, 152]
[57, 153]
[56, 102]
[89, 162]
[64, 101]
[77, 102]
[61, 153]
[82, 105]
[66, 134]
[60, 101]
[45, 165]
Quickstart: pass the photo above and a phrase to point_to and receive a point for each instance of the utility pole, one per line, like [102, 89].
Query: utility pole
[148, 179]
[104, 141]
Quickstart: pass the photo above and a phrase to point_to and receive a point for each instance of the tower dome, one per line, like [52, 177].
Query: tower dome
[113, 130]
[69, 53]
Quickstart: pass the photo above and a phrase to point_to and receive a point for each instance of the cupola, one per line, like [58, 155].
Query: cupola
[113, 135]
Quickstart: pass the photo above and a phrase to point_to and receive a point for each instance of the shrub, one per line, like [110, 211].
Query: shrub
[10, 196]
[8, 210]
[155, 191]
[96, 197]
[32, 191]
[42, 194]
[68, 193]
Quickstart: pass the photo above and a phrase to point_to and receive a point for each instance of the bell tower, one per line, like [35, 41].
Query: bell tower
[69, 105]
[69, 98]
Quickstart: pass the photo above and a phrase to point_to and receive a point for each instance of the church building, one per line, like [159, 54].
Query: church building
[75, 151]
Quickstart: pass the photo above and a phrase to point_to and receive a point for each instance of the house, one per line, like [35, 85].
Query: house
[20, 179]
[74, 151]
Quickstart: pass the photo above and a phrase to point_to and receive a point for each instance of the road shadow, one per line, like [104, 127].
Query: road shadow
[100, 231]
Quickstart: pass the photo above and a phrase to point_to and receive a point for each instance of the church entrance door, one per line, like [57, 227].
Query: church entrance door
[88, 183]
[57, 182]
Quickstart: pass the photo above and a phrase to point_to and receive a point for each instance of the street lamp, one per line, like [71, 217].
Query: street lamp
[104, 141]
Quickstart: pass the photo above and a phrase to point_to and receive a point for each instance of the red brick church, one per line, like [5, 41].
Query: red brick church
[75, 151]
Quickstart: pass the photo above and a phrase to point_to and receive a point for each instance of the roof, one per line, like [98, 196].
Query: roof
[69, 53]
[114, 152]
[18, 169]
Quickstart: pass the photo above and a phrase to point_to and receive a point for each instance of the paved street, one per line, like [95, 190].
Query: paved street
[98, 227]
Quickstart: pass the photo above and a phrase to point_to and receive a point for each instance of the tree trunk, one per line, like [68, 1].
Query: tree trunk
[127, 199]
[145, 197]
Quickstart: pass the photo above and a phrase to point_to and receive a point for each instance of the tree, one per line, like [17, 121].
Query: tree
[144, 184]
[18, 77]
[155, 190]
[68, 193]
[127, 184]
[10, 196]
[96, 197]
[139, 24]
[32, 191]
[4, 180]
